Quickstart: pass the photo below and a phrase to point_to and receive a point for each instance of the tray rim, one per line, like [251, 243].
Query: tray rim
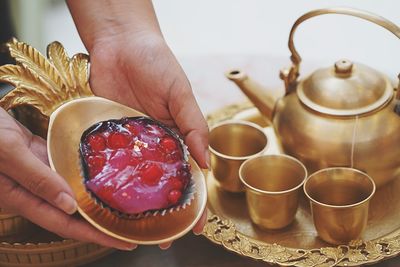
[222, 231]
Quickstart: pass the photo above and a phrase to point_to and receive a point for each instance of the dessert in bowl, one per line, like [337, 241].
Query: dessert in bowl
[135, 166]
[159, 222]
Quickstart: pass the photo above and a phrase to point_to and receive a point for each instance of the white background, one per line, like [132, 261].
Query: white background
[210, 36]
[261, 27]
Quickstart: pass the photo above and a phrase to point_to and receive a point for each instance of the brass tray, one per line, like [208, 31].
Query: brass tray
[229, 224]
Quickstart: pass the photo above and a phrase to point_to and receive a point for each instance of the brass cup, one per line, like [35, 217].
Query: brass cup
[231, 143]
[273, 185]
[339, 199]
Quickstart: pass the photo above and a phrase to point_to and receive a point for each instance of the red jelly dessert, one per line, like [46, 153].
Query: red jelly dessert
[134, 165]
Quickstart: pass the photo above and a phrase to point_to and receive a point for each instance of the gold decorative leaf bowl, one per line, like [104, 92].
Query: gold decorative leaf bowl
[57, 90]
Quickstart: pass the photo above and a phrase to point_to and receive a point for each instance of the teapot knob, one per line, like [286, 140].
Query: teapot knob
[343, 66]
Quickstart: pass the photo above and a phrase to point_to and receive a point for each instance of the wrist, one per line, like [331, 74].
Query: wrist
[126, 43]
[106, 19]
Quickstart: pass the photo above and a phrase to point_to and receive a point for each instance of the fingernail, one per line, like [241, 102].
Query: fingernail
[208, 160]
[198, 232]
[165, 246]
[129, 247]
[66, 203]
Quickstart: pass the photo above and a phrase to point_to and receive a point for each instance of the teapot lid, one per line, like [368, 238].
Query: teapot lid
[345, 89]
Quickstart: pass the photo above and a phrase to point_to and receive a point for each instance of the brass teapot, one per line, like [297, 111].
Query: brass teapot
[344, 115]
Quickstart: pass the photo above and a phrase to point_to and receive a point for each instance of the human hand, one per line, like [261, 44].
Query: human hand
[132, 64]
[144, 74]
[28, 187]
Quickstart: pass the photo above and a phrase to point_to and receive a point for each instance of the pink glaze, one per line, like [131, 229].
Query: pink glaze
[140, 168]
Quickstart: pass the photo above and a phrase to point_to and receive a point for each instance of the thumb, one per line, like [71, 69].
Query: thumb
[191, 123]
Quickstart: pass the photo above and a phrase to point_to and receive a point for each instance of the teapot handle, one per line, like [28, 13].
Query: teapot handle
[289, 76]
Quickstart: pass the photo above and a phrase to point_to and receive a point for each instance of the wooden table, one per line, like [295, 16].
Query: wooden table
[189, 251]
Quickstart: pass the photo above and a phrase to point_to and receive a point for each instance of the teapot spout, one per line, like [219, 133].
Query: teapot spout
[257, 94]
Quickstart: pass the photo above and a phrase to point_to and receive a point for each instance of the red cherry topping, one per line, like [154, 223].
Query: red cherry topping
[176, 183]
[168, 144]
[118, 140]
[151, 174]
[134, 165]
[172, 157]
[119, 160]
[97, 161]
[174, 196]
[153, 155]
[96, 164]
[106, 193]
[131, 128]
[97, 142]
[134, 161]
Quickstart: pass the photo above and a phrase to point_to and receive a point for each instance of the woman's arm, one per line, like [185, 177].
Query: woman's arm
[132, 64]
[109, 18]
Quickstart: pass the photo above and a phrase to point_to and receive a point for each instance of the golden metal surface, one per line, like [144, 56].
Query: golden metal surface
[345, 94]
[66, 126]
[328, 141]
[44, 83]
[229, 223]
[290, 78]
[344, 67]
[231, 143]
[335, 118]
[273, 184]
[260, 97]
[339, 199]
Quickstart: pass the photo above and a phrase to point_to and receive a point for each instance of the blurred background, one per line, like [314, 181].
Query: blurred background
[251, 34]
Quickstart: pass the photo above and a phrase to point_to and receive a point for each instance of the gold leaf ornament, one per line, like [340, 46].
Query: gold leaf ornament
[373, 250]
[44, 83]
[334, 253]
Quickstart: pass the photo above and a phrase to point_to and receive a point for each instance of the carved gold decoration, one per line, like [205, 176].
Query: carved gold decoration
[44, 83]
[223, 231]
